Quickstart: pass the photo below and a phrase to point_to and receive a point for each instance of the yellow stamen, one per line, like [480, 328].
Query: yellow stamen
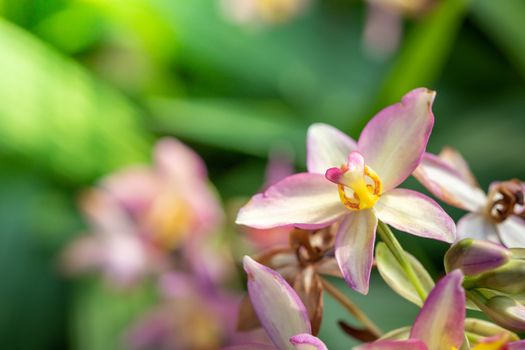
[364, 195]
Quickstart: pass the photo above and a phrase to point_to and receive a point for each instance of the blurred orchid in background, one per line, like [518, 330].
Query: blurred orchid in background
[262, 11]
[498, 216]
[141, 214]
[355, 184]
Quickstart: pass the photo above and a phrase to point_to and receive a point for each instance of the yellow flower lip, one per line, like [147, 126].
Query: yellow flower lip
[358, 185]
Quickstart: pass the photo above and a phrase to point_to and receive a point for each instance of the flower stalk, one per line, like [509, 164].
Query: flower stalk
[352, 308]
[399, 253]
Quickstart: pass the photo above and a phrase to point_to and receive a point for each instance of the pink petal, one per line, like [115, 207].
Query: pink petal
[517, 345]
[354, 248]
[448, 184]
[476, 256]
[415, 213]
[307, 341]
[440, 322]
[178, 161]
[327, 147]
[305, 200]
[394, 141]
[409, 344]
[477, 226]
[281, 312]
[512, 232]
[456, 161]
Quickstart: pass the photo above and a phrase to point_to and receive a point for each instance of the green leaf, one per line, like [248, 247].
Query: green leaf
[246, 128]
[424, 52]
[102, 315]
[395, 277]
[54, 115]
[503, 22]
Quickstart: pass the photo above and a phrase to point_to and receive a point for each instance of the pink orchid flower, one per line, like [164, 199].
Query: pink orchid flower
[494, 217]
[138, 214]
[440, 322]
[280, 311]
[355, 184]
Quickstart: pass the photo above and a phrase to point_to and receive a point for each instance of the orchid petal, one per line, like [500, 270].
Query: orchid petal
[394, 275]
[455, 160]
[354, 248]
[327, 147]
[415, 213]
[512, 232]
[281, 312]
[477, 226]
[178, 161]
[394, 141]
[409, 344]
[305, 200]
[517, 345]
[448, 184]
[440, 322]
[307, 341]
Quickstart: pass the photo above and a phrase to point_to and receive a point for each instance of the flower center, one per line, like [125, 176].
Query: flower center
[358, 185]
[505, 199]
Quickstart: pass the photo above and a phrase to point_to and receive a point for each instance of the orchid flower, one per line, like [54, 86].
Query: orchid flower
[140, 213]
[355, 184]
[440, 322]
[494, 217]
[279, 309]
[301, 263]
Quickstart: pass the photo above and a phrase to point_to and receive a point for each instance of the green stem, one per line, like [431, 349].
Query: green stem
[399, 253]
[352, 308]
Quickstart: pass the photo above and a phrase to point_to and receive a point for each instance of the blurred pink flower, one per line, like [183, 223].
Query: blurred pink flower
[494, 217]
[139, 214]
[262, 11]
[355, 184]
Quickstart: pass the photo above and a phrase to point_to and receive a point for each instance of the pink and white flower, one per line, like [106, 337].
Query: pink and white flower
[494, 217]
[355, 183]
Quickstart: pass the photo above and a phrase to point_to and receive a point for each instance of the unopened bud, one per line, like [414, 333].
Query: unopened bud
[508, 279]
[476, 256]
[505, 311]
[485, 329]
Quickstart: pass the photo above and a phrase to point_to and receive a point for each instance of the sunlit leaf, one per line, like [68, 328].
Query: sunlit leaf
[395, 277]
[56, 117]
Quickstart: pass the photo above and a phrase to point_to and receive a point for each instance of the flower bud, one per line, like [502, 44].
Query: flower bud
[505, 311]
[508, 279]
[485, 329]
[476, 256]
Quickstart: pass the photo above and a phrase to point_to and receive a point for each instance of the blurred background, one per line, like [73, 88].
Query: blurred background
[88, 86]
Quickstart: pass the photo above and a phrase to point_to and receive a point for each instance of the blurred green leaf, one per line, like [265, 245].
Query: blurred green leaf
[32, 295]
[425, 51]
[503, 21]
[102, 316]
[57, 117]
[249, 128]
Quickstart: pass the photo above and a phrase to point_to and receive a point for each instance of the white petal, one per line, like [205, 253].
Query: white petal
[305, 200]
[449, 184]
[477, 226]
[327, 147]
[415, 213]
[354, 248]
[512, 232]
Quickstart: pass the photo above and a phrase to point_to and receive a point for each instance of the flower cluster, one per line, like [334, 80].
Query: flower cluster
[307, 230]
